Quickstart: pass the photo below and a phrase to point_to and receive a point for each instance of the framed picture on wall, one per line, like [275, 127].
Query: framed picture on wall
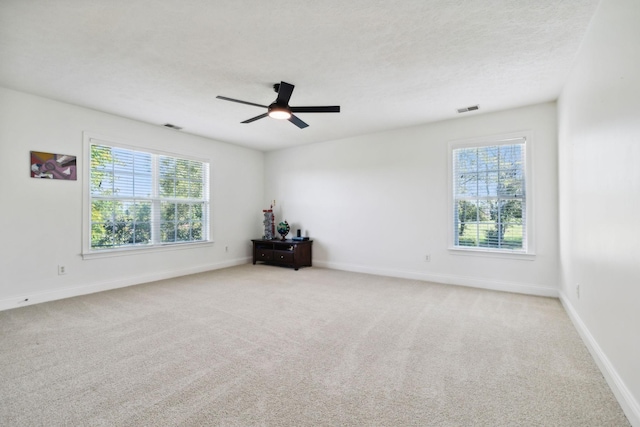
[53, 166]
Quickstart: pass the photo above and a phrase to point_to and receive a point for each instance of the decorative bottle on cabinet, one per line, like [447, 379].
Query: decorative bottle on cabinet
[268, 224]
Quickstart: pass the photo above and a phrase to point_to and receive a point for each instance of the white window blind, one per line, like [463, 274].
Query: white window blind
[489, 196]
[144, 199]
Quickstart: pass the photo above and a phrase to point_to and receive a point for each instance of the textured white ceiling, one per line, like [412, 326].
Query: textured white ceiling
[388, 64]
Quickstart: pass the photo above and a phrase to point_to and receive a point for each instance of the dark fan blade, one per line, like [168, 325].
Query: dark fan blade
[240, 102]
[261, 116]
[296, 121]
[327, 109]
[284, 93]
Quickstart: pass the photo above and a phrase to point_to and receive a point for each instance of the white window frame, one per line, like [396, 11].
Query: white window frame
[88, 252]
[528, 251]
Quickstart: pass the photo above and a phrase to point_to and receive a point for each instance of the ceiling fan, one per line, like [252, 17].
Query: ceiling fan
[280, 108]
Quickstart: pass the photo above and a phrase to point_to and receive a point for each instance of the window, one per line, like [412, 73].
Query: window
[141, 199]
[489, 195]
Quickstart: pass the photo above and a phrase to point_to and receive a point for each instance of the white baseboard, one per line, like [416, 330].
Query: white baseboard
[629, 404]
[520, 288]
[40, 297]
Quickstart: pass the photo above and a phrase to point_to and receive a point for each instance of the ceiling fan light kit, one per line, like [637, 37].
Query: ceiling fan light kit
[279, 112]
[280, 108]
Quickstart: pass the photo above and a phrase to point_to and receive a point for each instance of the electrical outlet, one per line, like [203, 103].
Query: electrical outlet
[62, 270]
[427, 258]
[578, 291]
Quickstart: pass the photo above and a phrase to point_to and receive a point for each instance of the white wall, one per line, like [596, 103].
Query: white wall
[41, 219]
[379, 203]
[599, 173]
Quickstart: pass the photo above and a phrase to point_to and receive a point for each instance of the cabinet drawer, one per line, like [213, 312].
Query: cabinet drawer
[283, 256]
[264, 254]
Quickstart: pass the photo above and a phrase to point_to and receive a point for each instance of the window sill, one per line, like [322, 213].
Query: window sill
[109, 253]
[491, 253]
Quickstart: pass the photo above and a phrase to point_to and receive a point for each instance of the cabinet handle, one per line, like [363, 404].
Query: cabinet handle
[262, 255]
[281, 256]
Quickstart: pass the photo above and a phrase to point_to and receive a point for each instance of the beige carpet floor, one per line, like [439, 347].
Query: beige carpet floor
[269, 346]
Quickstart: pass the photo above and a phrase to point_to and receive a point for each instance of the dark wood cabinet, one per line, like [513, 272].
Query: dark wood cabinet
[287, 253]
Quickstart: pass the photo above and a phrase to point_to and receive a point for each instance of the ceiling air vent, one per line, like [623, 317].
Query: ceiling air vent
[169, 125]
[464, 110]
